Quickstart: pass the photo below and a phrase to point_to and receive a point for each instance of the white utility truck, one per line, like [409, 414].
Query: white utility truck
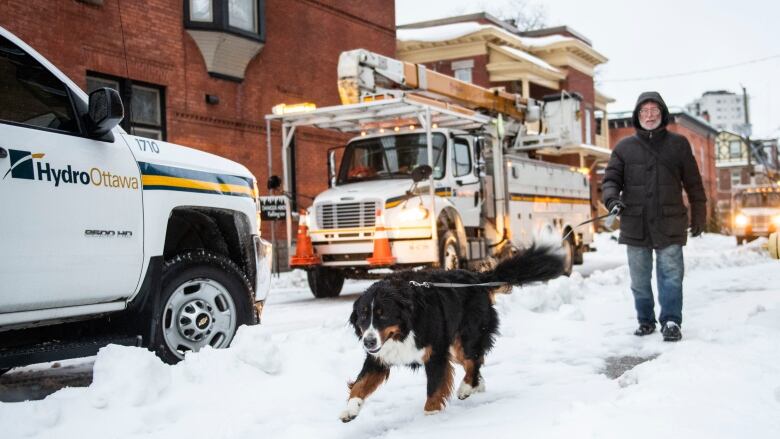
[755, 212]
[442, 164]
[107, 237]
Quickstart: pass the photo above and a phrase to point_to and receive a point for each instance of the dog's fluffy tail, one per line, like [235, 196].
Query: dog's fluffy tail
[537, 263]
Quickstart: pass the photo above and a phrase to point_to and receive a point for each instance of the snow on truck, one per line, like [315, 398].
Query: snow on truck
[107, 237]
[438, 174]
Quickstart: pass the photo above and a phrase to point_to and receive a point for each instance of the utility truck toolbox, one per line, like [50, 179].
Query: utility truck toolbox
[109, 237]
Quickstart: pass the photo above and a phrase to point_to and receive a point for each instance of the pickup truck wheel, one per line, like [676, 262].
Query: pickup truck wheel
[740, 240]
[325, 282]
[448, 251]
[205, 297]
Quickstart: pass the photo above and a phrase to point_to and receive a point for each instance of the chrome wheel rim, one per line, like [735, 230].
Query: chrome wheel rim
[198, 313]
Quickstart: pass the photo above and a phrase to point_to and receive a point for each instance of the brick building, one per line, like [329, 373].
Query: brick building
[540, 65]
[203, 73]
[699, 133]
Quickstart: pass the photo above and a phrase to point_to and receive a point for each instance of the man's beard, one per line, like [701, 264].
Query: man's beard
[651, 126]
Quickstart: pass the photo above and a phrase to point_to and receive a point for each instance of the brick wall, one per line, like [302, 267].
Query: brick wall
[298, 63]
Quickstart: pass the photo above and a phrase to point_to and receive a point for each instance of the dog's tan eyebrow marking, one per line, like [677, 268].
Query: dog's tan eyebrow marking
[391, 332]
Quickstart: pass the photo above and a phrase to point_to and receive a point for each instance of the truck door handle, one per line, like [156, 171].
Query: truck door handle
[3, 153]
[459, 182]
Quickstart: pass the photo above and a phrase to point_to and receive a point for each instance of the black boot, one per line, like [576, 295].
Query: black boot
[644, 329]
[671, 331]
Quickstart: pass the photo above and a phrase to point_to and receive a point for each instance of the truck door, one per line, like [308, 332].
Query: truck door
[71, 223]
[466, 187]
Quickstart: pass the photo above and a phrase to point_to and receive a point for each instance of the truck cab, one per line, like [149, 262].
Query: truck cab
[110, 237]
[756, 212]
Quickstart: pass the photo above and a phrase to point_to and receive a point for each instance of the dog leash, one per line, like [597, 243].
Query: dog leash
[456, 285]
[586, 222]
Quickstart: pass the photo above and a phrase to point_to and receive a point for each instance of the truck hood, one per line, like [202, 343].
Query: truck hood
[366, 190]
[171, 155]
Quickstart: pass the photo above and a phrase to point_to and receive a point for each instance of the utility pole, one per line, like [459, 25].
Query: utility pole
[747, 136]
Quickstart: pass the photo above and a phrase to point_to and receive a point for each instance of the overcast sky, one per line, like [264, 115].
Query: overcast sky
[663, 37]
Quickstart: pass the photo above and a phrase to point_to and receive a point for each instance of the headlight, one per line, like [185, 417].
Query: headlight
[741, 220]
[776, 220]
[418, 213]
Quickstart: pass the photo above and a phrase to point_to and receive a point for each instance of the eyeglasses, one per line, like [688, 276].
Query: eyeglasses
[650, 112]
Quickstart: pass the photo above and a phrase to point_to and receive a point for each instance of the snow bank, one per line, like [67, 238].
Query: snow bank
[545, 377]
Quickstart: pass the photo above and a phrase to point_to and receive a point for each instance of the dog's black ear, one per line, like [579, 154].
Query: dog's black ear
[406, 305]
[353, 318]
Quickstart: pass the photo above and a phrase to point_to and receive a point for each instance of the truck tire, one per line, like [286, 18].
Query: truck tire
[449, 259]
[568, 257]
[204, 298]
[325, 282]
[740, 240]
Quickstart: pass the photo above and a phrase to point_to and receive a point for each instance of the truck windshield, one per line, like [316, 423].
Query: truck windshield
[761, 199]
[390, 157]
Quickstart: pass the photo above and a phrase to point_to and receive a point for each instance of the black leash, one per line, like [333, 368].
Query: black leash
[586, 222]
[456, 285]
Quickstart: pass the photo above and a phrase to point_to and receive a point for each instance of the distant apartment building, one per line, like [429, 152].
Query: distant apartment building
[723, 109]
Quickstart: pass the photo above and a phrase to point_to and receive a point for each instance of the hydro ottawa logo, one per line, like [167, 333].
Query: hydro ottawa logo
[28, 166]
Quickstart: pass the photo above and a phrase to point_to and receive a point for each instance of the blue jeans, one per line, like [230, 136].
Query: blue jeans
[669, 276]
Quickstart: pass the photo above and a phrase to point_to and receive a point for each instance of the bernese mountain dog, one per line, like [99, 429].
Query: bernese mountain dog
[403, 320]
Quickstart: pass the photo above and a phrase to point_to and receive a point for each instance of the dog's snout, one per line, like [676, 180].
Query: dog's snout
[370, 342]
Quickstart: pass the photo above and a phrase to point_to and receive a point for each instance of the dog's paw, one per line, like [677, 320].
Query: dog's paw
[352, 410]
[465, 390]
[431, 412]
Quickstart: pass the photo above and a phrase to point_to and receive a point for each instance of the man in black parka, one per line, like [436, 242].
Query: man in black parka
[643, 184]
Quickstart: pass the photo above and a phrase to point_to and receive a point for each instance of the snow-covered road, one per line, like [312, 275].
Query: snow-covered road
[546, 377]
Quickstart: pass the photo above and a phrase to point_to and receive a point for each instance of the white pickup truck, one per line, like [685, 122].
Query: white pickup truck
[107, 237]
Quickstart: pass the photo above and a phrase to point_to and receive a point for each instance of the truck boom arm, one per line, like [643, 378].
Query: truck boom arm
[362, 72]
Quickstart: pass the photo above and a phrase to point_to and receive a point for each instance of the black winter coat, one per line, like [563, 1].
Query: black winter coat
[647, 172]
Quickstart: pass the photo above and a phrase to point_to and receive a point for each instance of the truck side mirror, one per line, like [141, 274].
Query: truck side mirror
[274, 182]
[421, 173]
[105, 112]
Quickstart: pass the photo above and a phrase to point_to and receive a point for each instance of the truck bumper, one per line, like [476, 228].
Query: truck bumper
[356, 253]
[262, 281]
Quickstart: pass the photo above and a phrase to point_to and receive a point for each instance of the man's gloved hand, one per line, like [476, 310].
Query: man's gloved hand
[616, 207]
[696, 230]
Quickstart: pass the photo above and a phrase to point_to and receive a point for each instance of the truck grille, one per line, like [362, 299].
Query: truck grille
[760, 221]
[346, 215]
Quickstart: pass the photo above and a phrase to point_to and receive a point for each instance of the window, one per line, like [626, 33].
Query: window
[201, 10]
[461, 158]
[735, 149]
[462, 69]
[30, 94]
[463, 74]
[243, 14]
[390, 157]
[240, 17]
[145, 115]
[736, 177]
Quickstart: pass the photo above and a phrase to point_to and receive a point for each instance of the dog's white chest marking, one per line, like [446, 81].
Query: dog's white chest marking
[401, 352]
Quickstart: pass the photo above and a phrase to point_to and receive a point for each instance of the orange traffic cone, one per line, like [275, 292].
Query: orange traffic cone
[304, 251]
[383, 255]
